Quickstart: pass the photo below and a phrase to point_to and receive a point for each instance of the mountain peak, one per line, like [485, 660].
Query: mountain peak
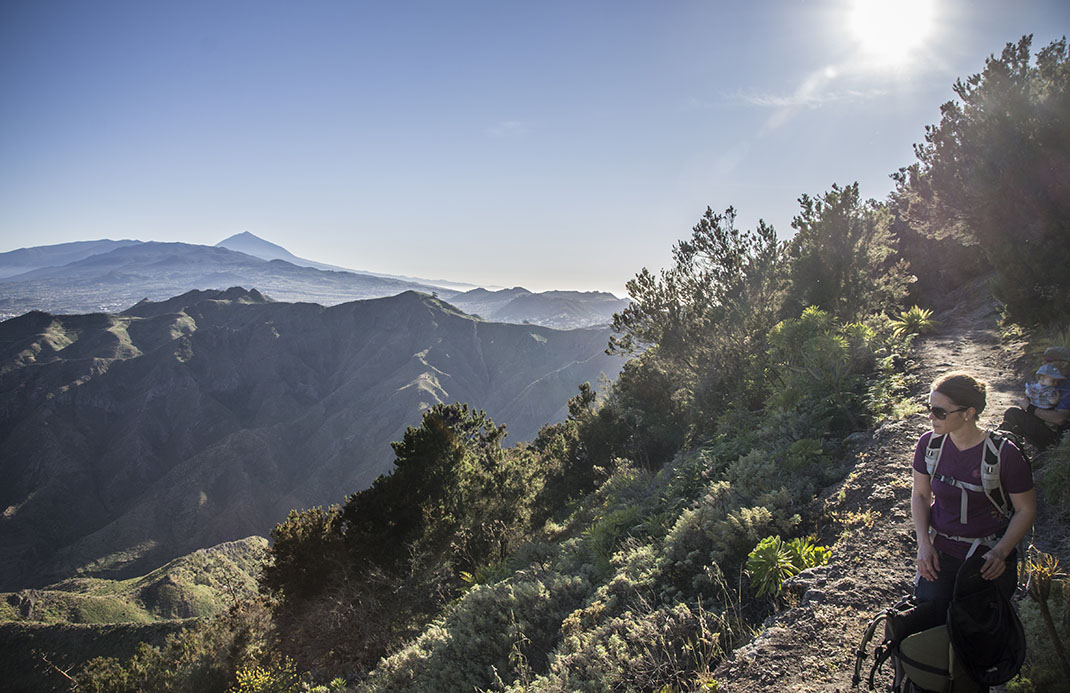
[251, 244]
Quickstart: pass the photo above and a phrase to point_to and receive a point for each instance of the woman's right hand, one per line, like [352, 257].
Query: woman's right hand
[928, 562]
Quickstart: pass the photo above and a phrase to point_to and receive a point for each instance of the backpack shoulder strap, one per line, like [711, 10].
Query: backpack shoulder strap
[990, 468]
[932, 452]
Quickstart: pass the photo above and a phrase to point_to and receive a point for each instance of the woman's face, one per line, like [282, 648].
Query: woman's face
[956, 413]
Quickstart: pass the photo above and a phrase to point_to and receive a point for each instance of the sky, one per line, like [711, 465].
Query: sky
[549, 145]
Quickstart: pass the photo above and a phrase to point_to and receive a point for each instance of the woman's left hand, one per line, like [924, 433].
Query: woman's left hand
[994, 565]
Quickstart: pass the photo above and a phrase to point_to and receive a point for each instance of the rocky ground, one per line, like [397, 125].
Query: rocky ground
[811, 646]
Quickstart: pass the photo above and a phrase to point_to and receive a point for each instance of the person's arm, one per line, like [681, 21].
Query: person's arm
[1025, 512]
[1053, 416]
[920, 507]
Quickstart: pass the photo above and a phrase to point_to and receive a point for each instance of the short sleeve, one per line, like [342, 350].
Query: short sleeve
[919, 453]
[1015, 475]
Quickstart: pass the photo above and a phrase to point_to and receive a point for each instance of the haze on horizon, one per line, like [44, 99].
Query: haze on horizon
[551, 145]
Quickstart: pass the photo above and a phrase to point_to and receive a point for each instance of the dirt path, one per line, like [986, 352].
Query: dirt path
[811, 647]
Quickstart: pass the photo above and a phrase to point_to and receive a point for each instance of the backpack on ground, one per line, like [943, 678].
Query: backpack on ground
[984, 628]
[918, 649]
[976, 642]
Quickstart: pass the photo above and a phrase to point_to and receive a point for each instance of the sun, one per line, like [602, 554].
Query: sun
[890, 31]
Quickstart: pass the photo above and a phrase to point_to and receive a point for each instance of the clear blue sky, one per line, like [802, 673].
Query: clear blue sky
[554, 144]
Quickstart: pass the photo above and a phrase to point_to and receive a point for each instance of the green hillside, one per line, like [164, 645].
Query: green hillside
[198, 585]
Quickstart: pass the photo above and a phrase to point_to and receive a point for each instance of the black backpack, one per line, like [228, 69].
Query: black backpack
[916, 642]
[977, 641]
[984, 628]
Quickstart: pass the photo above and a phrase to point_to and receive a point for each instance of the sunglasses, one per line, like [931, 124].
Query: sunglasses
[941, 413]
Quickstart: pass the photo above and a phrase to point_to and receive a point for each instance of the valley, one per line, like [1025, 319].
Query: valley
[129, 439]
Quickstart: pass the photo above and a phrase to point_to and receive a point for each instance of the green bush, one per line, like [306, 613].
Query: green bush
[605, 534]
[204, 657]
[816, 359]
[769, 565]
[915, 320]
[1053, 477]
[773, 561]
[305, 550]
[477, 636]
[1046, 620]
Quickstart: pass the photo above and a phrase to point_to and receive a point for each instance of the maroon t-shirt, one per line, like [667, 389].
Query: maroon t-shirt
[982, 518]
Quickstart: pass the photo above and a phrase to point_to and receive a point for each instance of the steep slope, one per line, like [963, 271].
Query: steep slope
[129, 439]
[811, 647]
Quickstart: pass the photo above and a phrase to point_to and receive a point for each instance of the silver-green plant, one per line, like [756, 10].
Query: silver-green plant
[914, 320]
[773, 561]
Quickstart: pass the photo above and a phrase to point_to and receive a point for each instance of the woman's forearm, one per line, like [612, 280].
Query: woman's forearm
[1019, 526]
[919, 510]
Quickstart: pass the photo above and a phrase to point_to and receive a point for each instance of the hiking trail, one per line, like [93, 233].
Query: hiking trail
[811, 646]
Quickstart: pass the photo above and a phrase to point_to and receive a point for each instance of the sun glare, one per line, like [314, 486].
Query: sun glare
[890, 31]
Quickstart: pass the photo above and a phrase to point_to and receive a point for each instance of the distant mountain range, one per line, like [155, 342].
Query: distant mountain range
[110, 276]
[114, 280]
[127, 439]
[562, 309]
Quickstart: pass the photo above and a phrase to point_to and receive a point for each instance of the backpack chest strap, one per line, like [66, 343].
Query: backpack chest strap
[963, 487]
[990, 484]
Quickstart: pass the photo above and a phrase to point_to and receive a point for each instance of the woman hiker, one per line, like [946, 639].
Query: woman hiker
[953, 516]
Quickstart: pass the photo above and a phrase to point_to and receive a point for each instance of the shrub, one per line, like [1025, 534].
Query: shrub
[306, 548]
[1046, 620]
[604, 536]
[772, 561]
[843, 256]
[479, 634]
[644, 648]
[205, 657]
[814, 359]
[1053, 477]
[282, 678]
[915, 320]
[768, 565]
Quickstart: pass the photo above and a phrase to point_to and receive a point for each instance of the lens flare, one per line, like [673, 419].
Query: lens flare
[890, 32]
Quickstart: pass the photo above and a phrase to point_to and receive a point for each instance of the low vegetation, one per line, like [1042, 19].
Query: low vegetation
[634, 544]
[200, 585]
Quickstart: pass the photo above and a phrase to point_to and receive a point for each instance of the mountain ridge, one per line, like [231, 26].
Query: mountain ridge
[115, 280]
[112, 276]
[197, 420]
[15, 262]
